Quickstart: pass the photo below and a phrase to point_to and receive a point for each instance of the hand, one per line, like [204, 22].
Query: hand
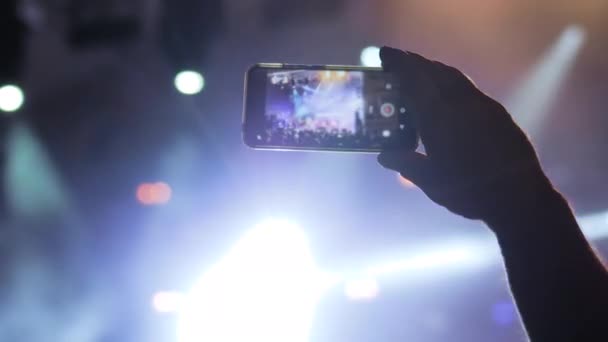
[478, 162]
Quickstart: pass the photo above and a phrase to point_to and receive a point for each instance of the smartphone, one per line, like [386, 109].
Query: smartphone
[325, 108]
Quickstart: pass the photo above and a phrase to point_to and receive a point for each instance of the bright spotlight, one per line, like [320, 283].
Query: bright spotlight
[361, 289]
[167, 301]
[11, 98]
[370, 57]
[530, 102]
[265, 289]
[572, 37]
[189, 82]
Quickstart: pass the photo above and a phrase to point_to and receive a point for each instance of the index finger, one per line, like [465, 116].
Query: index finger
[422, 93]
[417, 79]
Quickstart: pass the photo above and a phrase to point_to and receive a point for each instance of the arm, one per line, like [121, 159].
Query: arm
[480, 165]
[559, 285]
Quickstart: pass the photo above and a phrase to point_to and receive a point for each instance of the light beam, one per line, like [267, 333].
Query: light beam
[530, 102]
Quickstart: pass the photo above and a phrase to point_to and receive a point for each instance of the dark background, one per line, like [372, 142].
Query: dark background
[82, 258]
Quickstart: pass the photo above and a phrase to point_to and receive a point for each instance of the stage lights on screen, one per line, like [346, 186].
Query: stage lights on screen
[11, 98]
[370, 57]
[189, 82]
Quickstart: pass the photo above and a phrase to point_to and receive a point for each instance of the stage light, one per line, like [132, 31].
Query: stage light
[143, 193]
[530, 103]
[265, 289]
[153, 193]
[161, 192]
[189, 82]
[11, 98]
[450, 255]
[361, 289]
[32, 183]
[370, 57]
[167, 301]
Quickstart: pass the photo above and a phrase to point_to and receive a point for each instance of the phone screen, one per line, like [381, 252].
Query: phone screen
[332, 109]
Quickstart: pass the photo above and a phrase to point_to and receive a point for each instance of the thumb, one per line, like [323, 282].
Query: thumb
[411, 165]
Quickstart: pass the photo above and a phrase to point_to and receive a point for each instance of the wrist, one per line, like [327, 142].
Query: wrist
[523, 206]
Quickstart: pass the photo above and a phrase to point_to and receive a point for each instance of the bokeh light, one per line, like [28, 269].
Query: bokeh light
[153, 193]
[11, 98]
[370, 57]
[189, 82]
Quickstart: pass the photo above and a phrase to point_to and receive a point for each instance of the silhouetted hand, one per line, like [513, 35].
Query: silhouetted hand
[478, 162]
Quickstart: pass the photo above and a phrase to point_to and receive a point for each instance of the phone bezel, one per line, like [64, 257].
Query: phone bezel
[254, 103]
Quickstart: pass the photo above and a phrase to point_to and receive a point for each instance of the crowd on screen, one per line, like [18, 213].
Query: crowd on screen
[301, 132]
